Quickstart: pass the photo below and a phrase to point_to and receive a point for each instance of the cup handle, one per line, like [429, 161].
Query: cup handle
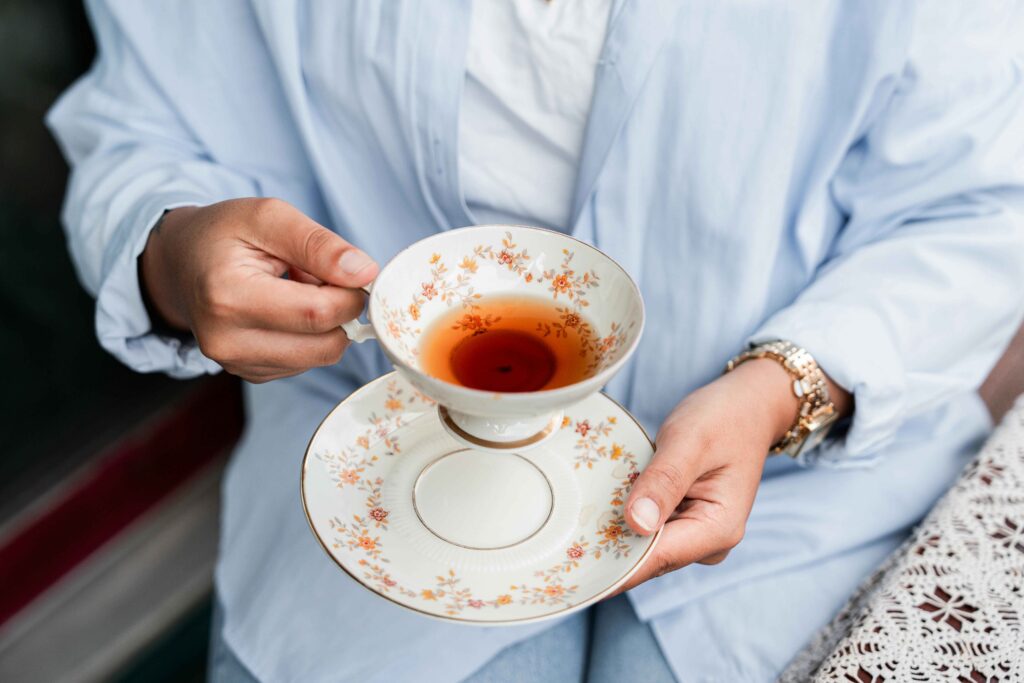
[356, 331]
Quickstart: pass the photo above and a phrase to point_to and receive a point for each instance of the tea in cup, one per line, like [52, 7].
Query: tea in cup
[503, 326]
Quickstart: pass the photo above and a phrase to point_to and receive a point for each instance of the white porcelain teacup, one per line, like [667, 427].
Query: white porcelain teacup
[453, 269]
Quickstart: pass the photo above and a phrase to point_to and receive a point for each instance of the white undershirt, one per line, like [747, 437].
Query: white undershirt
[529, 81]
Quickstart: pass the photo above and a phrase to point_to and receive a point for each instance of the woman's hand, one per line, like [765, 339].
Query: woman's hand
[217, 271]
[704, 476]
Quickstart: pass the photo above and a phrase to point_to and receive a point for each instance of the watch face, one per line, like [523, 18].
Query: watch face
[814, 434]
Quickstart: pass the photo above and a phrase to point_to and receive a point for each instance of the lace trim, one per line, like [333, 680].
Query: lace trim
[949, 604]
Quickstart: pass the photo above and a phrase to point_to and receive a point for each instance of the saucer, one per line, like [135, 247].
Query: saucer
[474, 536]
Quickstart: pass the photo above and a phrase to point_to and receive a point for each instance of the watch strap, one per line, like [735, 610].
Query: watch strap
[816, 413]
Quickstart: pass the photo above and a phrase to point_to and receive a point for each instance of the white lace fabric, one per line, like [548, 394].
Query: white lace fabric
[949, 604]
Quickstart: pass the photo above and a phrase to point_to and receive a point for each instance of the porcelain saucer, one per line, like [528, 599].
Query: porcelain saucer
[483, 537]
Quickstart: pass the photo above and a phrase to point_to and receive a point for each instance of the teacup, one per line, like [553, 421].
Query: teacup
[458, 267]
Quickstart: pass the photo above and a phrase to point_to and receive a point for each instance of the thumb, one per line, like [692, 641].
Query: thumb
[290, 235]
[661, 486]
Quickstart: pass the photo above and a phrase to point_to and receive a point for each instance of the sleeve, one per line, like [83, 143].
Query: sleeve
[924, 285]
[132, 157]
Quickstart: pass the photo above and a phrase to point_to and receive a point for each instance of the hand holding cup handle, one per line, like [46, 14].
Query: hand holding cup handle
[218, 271]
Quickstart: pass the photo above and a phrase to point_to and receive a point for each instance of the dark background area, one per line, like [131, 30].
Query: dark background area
[63, 393]
[64, 397]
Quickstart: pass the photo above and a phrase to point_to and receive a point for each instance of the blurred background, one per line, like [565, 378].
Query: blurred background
[108, 479]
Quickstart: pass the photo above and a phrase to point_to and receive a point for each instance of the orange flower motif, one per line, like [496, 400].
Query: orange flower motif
[414, 311]
[470, 321]
[428, 594]
[616, 451]
[616, 502]
[561, 284]
[429, 290]
[349, 477]
[505, 257]
[583, 427]
[504, 599]
[572, 320]
[575, 551]
[529, 277]
[363, 441]
[367, 543]
[379, 514]
[468, 264]
[566, 421]
[434, 258]
[612, 532]
[392, 404]
[554, 590]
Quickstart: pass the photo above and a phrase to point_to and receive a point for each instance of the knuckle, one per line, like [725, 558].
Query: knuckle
[667, 476]
[317, 243]
[268, 208]
[213, 297]
[717, 558]
[671, 429]
[270, 376]
[318, 316]
[733, 536]
[214, 348]
[217, 347]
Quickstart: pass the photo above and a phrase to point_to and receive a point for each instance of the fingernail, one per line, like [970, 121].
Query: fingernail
[353, 261]
[646, 513]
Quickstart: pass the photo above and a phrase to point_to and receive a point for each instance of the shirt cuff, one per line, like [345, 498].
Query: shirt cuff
[123, 326]
[852, 345]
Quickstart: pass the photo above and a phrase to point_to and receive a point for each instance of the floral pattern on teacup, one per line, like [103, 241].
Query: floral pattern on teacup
[455, 287]
[366, 535]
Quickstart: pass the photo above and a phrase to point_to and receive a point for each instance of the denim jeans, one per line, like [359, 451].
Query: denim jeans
[603, 644]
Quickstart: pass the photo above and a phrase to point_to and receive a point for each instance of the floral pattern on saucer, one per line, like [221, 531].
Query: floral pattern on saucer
[598, 448]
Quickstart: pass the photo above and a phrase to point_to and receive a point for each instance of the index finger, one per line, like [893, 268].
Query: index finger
[274, 303]
[285, 232]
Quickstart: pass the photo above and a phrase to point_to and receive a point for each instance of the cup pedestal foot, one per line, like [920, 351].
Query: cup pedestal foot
[499, 434]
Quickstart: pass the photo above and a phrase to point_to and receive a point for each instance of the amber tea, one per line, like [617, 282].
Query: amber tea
[510, 344]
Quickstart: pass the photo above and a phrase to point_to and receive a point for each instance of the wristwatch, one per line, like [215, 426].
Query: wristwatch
[817, 413]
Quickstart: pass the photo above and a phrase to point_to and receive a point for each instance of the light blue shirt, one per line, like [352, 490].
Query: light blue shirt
[845, 175]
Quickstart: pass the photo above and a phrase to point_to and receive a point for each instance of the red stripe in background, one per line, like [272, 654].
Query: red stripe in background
[134, 475]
